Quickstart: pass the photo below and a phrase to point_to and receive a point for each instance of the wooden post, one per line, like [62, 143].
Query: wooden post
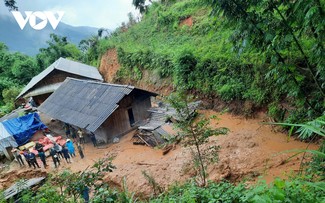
[8, 154]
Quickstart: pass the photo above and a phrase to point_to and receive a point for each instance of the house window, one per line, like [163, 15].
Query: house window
[131, 116]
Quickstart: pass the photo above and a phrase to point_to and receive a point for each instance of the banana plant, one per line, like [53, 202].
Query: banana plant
[305, 131]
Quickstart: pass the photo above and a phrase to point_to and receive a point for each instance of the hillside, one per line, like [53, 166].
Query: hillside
[185, 44]
[29, 41]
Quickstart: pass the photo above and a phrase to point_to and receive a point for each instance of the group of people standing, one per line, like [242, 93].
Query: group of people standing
[66, 152]
[30, 157]
[57, 152]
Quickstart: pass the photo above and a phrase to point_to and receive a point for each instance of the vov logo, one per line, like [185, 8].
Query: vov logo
[38, 19]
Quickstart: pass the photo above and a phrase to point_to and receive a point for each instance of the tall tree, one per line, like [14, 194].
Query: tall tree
[140, 5]
[16, 70]
[90, 50]
[58, 46]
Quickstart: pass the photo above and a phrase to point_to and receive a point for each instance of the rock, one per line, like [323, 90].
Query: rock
[116, 140]
[251, 144]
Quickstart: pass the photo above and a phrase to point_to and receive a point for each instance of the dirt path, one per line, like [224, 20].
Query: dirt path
[249, 150]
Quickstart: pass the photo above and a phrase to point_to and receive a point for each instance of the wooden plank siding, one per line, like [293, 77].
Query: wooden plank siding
[118, 123]
[39, 99]
[56, 76]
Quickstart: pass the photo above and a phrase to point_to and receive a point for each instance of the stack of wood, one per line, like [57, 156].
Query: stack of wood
[145, 137]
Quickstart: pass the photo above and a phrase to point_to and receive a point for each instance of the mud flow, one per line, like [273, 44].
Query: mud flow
[250, 149]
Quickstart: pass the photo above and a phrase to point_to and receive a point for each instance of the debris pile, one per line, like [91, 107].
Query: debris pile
[145, 137]
[159, 128]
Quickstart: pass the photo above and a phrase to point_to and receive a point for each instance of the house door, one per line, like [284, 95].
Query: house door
[131, 116]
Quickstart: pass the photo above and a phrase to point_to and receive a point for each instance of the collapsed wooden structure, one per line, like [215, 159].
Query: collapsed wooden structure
[159, 128]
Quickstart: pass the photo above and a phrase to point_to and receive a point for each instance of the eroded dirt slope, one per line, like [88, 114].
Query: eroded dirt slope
[150, 80]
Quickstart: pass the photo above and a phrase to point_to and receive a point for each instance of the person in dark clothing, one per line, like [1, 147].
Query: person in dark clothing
[55, 157]
[74, 134]
[93, 139]
[85, 194]
[27, 158]
[67, 130]
[18, 157]
[66, 155]
[32, 159]
[80, 151]
[41, 154]
[43, 158]
[39, 147]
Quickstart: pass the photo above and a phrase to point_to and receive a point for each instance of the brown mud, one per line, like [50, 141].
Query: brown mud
[249, 150]
[109, 65]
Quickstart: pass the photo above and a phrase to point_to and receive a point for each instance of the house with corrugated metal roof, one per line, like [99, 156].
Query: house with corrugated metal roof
[107, 110]
[50, 79]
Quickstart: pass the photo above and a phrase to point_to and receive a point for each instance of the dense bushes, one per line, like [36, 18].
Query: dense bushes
[146, 59]
[216, 56]
[295, 190]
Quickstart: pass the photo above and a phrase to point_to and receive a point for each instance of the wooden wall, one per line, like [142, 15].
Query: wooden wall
[140, 106]
[55, 76]
[118, 123]
[41, 98]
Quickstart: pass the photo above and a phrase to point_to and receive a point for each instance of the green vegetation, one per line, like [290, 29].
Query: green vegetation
[17, 69]
[295, 190]
[58, 46]
[274, 57]
[309, 131]
[298, 189]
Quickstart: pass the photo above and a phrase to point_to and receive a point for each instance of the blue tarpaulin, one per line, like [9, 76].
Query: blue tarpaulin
[23, 128]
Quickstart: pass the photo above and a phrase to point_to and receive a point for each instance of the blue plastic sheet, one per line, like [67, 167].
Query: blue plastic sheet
[23, 128]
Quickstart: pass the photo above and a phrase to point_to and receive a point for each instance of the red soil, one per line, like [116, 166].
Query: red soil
[109, 65]
[188, 21]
